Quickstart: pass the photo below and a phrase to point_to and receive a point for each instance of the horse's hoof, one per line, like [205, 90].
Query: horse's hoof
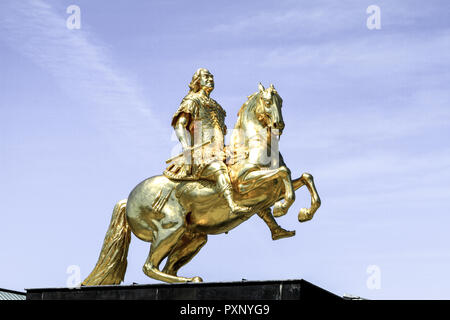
[281, 233]
[304, 215]
[197, 279]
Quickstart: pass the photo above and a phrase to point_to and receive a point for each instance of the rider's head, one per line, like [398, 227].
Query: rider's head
[202, 79]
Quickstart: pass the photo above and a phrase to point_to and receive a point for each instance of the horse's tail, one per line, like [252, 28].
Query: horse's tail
[112, 262]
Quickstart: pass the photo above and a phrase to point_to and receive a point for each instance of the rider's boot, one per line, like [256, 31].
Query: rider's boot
[224, 185]
[234, 208]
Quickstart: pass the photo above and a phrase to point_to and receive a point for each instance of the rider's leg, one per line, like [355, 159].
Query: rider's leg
[277, 231]
[218, 172]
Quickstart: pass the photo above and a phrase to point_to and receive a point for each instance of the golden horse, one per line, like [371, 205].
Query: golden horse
[176, 217]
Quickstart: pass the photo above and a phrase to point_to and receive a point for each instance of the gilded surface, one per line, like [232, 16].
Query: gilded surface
[209, 188]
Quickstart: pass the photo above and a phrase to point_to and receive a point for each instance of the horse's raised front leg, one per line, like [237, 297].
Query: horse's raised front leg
[255, 179]
[308, 180]
[280, 208]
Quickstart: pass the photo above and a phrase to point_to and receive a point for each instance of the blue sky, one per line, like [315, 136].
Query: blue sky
[86, 116]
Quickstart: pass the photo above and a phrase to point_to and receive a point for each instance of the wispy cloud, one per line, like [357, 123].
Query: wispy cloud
[368, 55]
[318, 20]
[421, 114]
[81, 64]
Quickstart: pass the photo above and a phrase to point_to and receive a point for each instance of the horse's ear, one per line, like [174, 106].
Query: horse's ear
[272, 87]
[261, 87]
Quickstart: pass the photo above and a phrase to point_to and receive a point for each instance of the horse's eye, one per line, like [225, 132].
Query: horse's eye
[267, 102]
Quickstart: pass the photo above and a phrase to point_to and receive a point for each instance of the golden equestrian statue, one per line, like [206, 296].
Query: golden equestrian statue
[209, 188]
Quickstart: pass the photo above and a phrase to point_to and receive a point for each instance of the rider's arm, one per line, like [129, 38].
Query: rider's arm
[181, 130]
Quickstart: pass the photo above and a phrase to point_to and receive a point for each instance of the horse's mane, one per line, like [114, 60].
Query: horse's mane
[251, 104]
[248, 106]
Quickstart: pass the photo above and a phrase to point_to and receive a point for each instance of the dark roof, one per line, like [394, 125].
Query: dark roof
[294, 289]
[6, 294]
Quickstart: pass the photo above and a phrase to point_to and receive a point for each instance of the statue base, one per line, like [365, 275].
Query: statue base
[243, 290]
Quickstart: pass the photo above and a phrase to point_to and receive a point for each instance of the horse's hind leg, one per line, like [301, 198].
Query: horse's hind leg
[277, 231]
[186, 248]
[161, 250]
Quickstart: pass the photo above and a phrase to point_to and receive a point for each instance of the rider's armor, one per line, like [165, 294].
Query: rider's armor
[206, 126]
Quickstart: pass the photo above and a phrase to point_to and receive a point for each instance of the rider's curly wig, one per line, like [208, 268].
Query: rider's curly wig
[194, 86]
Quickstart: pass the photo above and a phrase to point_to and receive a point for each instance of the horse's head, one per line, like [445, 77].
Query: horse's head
[263, 111]
[268, 109]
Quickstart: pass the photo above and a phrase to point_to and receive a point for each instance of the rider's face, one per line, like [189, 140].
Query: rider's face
[207, 80]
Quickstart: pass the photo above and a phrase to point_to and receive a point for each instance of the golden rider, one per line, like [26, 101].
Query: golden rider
[200, 121]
